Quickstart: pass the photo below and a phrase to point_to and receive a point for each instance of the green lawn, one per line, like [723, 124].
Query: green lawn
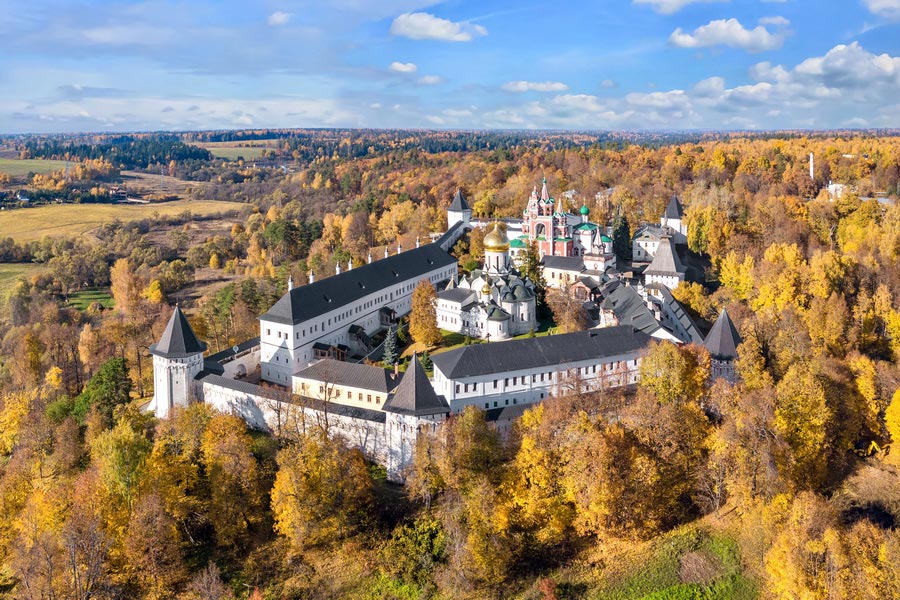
[81, 300]
[690, 563]
[10, 272]
[235, 153]
[18, 167]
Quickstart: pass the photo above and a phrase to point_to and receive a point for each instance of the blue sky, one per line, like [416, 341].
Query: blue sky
[75, 65]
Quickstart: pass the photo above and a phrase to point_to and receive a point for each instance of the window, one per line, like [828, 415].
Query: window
[495, 404]
[268, 332]
[495, 384]
[377, 399]
[360, 396]
[368, 397]
[457, 388]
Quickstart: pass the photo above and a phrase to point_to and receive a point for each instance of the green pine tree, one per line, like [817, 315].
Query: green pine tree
[621, 235]
[389, 357]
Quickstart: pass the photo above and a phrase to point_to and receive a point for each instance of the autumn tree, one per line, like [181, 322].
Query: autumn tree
[322, 491]
[155, 562]
[233, 478]
[423, 316]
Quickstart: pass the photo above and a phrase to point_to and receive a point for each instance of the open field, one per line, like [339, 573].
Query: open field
[19, 167]
[26, 224]
[235, 153]
[9, 272]
[151, 183]
[81, 300]
[232, 150]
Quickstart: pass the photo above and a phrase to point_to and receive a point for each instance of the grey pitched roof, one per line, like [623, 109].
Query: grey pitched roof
[349, 374]
[651, 232]
[178, 339]
[674, 210]
[723, 338]
[229, 353]
[459, 203]
[681, 315]
[313, 300]
[460, 295]
[415, 395]
[541, 352]
[565, 263]
[629, 308]
[665, 261]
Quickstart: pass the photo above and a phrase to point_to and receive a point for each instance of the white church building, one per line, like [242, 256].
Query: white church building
[492, 303]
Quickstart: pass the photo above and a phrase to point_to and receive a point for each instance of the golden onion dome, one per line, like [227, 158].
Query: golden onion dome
[496, 240]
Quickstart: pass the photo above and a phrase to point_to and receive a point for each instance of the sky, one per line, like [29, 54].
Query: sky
[83, 65]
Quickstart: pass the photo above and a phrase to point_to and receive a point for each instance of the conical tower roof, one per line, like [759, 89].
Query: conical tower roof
[674, 210]
[459, 203]
[665, 261]
[414, 395]
[178, 340]
[545, 195]
[723, 338]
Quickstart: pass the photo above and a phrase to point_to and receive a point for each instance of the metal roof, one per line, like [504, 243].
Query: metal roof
[540, 352]
[313, 300]
[178, 340]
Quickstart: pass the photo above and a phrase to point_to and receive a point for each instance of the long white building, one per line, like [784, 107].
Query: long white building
[326, 317]
[528, 370]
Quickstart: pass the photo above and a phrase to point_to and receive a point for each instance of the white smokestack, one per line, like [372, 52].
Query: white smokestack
[385, 252]
[337, 268]
[290, 282]
[350, 264]
[399, 248]
[369, 259]
[312, 277]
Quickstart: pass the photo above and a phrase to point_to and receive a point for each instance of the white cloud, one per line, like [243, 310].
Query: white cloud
[728, 33]
[849, 66]
[455, 113]
[673, 99]
[430, 80]
[534, 86]
[777, 21]
[400, 67]
[279, 18]
[668, 7]
[608, 84]
[889, 9]
[425, 26]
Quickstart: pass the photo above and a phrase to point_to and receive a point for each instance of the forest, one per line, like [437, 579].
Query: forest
[783, 485]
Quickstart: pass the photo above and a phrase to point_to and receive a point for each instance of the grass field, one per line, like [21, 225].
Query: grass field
[9, 272]
[19, 167]
[235, 153]
[232, 150]
[81, 300]
[26, 224]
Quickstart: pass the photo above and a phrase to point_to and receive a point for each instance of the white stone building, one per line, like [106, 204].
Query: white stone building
[321, 319]
[665, 268]
[493, 303]
[177, 360]
[528, 370]
[646, 239]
